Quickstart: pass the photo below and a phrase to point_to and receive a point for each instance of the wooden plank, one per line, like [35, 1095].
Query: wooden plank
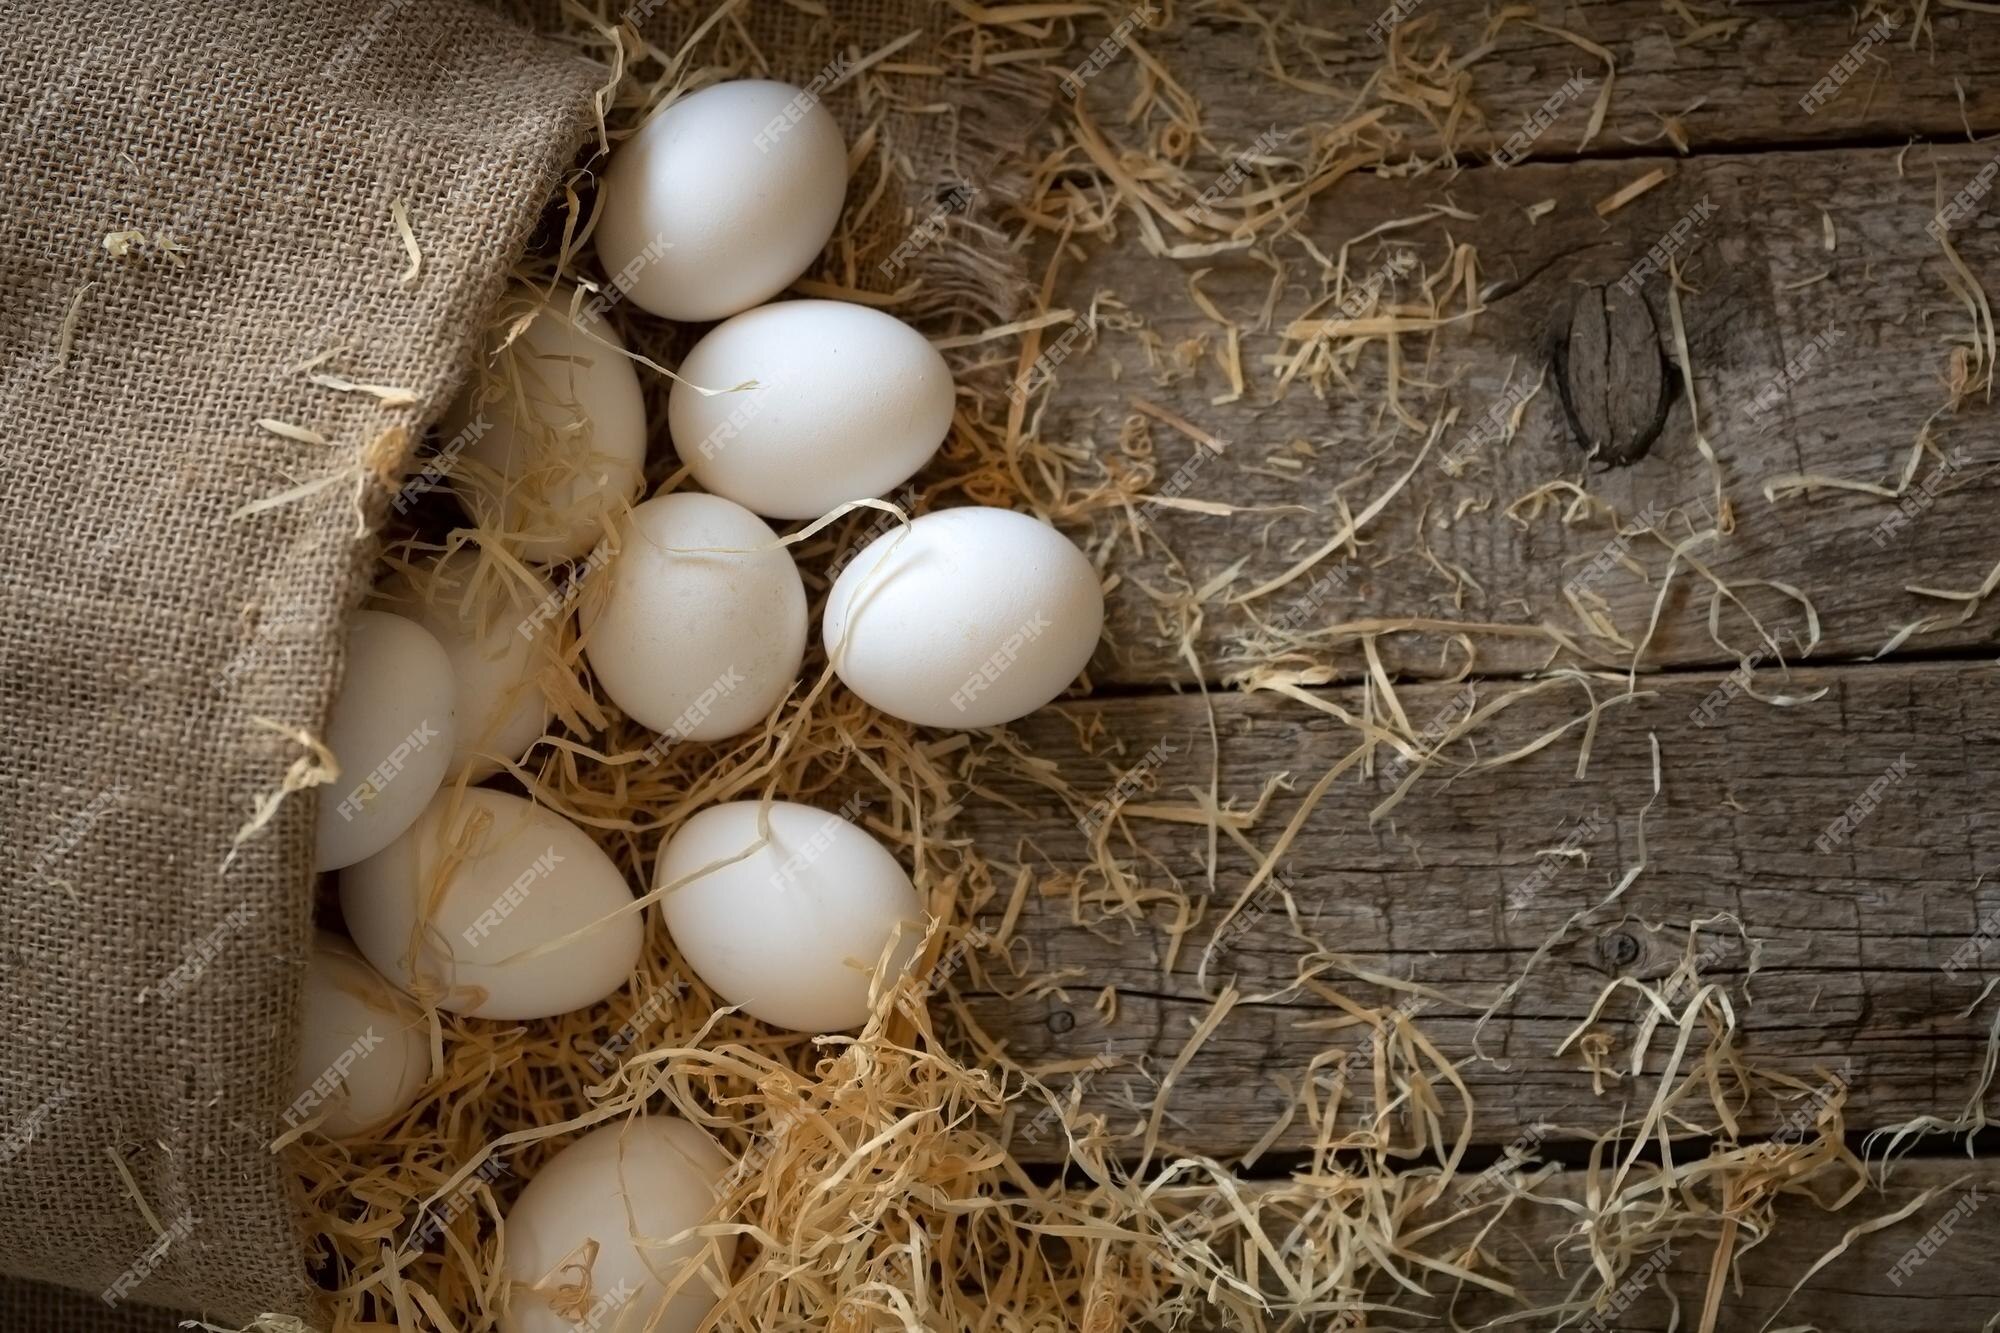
[1807, 361]
[1883, 1279]
[1746, 89]
[1456, 888]
[1877, 1282]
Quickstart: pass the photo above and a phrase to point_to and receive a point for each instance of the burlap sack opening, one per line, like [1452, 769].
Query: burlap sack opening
[199, 202]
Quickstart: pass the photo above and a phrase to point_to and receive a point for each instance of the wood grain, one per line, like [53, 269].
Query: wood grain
[1879, 1281]
[1740, 90]
[1455, 889]
[1806, 361]
[1846, 838]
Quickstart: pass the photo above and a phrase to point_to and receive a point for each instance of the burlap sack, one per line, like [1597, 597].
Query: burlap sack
[161, 648]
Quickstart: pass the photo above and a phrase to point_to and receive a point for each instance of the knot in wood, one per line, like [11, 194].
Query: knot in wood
[1613, 375]
[1062, 1020]
[1620, 949]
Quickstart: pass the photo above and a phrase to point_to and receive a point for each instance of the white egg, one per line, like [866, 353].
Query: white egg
[722, 199]
[966, 618]
[795, 930]
[392, 730]
[461, 910]
[555, 428]
[597, 1214]
[704, 625]
[501, 709]
[850, 402]
[365, 1049]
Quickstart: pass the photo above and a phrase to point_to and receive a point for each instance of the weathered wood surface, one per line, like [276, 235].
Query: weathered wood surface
[1870, 328]
[1875, 1284]
[1749, 86]
[1880, 1282]
[1458, 886]
[1824, 335]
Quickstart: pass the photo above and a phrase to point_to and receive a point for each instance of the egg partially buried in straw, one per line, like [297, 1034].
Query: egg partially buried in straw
[391, 728]
[704, 625]
[965, 618]
[849, 403]
[548, 440]
[364, 1048]
[598, 1215]
[722, 199]
[495, 907]
[477, 618]
[795, 929]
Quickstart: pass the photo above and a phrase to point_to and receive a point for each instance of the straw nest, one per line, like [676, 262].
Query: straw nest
[880, 1190]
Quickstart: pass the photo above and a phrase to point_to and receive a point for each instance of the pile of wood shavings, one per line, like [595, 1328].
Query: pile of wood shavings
[878, 1188]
